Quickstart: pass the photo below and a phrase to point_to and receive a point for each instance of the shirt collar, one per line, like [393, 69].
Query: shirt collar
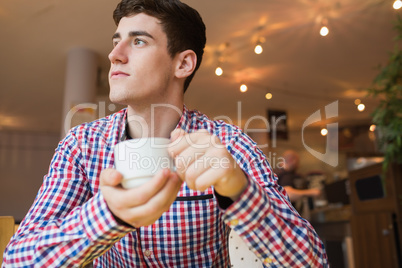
[185, 120]
[184, 123]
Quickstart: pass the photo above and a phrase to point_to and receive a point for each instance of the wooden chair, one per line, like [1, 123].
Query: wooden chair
[240, 255]
[6, 232]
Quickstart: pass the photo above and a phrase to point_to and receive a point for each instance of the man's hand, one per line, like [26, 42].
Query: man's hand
[143, 205]
[202, 161]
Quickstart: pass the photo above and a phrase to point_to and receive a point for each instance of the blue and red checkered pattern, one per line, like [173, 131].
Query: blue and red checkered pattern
[70, 225]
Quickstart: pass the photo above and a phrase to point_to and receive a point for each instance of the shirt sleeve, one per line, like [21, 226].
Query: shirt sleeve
[68, 225]
[264, 217]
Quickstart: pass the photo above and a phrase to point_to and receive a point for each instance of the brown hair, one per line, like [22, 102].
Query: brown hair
[182, 24]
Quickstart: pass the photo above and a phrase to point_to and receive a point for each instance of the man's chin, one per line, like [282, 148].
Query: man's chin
[117, 100]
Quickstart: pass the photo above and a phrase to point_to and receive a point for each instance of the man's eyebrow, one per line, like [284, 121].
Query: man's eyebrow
[134, 33]
[140, 33]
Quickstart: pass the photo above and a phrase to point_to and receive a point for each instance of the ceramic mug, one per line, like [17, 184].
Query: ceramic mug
[138, 160]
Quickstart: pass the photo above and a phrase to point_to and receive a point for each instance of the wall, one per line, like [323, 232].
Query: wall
[24, 160]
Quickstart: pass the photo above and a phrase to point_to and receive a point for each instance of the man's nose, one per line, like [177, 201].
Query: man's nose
[118, 53]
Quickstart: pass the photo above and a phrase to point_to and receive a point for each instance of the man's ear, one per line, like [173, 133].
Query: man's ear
[186, 62]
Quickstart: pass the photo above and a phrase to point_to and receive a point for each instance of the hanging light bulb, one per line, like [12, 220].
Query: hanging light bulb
[243, 88]
[324, 31]
[324, 132]
[218, 71]
[397, 4]
[220, 59]
[258, 49]
[268, 96]
[361, 107]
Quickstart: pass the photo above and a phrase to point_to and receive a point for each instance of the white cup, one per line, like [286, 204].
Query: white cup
[138, 160]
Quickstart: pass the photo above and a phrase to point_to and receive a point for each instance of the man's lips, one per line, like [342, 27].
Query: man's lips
[116, 74]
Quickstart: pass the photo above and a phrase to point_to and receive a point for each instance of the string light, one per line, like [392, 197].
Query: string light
[258, 49]
[360, 106]
[268, 96]
[243, 88]
[258, 40]
[324, 132]
[220, 57]
[258, 45]
[324, 31]
[372, 128]
[397, 4]
[218, 71]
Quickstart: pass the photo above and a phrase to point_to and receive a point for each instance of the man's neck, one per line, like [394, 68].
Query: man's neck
[156, 120]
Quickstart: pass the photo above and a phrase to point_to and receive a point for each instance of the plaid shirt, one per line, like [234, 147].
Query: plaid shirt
[70, 225]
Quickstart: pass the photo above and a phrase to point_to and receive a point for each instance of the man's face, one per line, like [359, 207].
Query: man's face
[141, 69]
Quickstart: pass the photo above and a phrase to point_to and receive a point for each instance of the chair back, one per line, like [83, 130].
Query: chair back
[6, 232]
[240, 255]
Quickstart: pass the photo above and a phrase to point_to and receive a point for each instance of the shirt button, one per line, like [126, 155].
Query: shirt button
[268, 260]
[234, 222]
[147, 253]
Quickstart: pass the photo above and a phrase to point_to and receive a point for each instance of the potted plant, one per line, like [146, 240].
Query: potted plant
[387, 117]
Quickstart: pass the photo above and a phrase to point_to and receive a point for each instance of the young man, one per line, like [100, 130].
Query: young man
[178, 219]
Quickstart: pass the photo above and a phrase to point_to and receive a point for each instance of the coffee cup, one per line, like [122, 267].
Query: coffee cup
[138, 160]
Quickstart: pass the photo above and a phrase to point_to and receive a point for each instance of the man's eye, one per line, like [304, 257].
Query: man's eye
[115, 42]
[139, 42]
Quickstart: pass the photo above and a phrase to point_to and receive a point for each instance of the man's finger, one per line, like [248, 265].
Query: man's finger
[110, 177]
[150, 211]
[198, 141]
[140, 195]
[149, 189]
[175, 134]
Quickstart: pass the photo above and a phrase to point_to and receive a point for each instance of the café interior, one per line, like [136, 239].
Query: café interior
[293, 74]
